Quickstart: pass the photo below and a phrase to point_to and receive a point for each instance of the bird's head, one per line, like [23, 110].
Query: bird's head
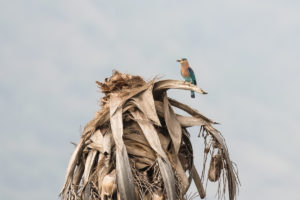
[183, 61]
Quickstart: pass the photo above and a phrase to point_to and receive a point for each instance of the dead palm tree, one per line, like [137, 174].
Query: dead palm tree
[137, 147]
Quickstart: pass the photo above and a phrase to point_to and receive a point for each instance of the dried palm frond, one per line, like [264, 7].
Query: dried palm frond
[137, 147]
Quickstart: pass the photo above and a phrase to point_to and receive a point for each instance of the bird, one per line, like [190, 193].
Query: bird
[187, 73]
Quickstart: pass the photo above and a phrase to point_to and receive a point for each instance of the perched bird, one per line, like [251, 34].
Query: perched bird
[187, 73]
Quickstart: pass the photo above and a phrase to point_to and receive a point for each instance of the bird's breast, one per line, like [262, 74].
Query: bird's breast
[185, 72]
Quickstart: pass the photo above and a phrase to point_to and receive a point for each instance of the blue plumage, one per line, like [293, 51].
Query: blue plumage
[192, 76]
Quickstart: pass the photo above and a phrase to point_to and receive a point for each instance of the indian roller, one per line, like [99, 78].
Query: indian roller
[187, 73]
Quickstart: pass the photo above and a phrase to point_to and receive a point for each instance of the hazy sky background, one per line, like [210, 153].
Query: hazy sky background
[245, 55]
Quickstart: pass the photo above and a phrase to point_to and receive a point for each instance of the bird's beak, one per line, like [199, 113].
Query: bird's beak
[178, 60]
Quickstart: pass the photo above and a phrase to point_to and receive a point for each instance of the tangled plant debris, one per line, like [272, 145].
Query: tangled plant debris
[137, 147]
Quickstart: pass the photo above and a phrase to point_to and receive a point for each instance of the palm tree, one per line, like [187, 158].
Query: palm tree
[137, 147]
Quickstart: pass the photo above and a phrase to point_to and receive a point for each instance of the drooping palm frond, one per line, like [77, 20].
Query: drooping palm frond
[137, 147]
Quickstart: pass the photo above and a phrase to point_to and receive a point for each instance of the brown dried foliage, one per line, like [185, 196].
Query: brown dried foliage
[137, 147]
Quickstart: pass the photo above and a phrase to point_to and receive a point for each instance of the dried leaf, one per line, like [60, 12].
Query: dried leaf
[164, 140]
[176, 84]
[181, 173]
[173, 125]
[88, 166]
[141, 165]
[97, 141]
[77, 175]
[145, 160]
[86, 193]
[163, 161]
[124, 99]
[231, 174]
[102, 117]
[198, 182]
[124, 174]
[190, 110]
[109, 185]
[142, 151]
[145, 103]
[72, 164]
[190, 121]
[149, 132]
[97, 138]
[215, 168]
[102, 171]
[108, 143]
[184, 121]
[134, 137]
[168, 177]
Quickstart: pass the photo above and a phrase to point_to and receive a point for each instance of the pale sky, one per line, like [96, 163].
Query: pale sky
[245, 55]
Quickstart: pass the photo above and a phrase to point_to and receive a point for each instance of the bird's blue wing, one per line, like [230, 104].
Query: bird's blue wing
[192, 75]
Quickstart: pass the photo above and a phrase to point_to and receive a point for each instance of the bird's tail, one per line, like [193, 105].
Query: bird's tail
[192, 94]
